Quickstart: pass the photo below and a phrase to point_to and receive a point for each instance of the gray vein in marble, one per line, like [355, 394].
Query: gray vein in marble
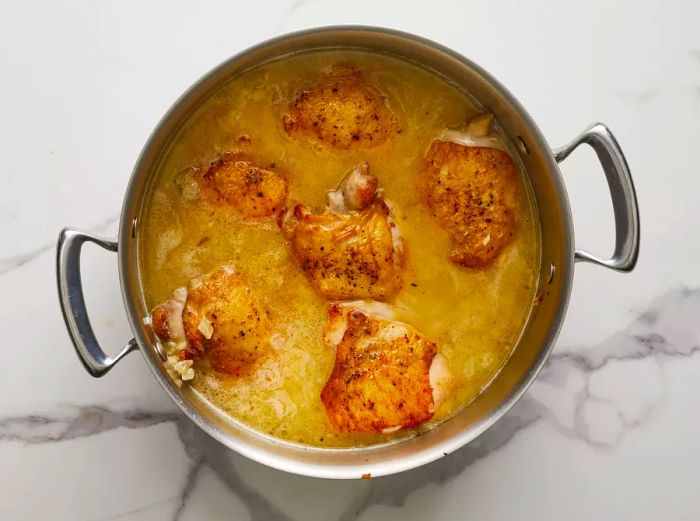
[133, 511]
[12, 262]
[581, 429]
[293, 8]
[203, 449]
[666, 330]
[77, 423]
[190, 482]
[660, 330]
[15, 261]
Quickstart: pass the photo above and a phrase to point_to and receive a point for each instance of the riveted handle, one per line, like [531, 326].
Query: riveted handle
[624, 198]
[70, 294]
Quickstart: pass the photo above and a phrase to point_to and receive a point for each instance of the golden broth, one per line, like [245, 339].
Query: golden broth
[475, 316]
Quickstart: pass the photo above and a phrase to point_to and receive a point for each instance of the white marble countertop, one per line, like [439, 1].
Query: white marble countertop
[610, 430]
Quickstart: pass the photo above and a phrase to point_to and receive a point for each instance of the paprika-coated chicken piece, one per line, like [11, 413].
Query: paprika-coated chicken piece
[250, 190]
[220, 318]
[354, 249]
[386, 376]
[471, 190]
[343, 110]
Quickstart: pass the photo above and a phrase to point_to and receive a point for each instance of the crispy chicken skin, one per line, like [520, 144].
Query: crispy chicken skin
[344, 110]
[471, 191]
[382, 377]
[252, 191]
[347, 256]
[355, 252]
[221, 318]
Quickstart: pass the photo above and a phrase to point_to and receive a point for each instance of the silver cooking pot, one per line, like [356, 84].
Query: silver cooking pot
[555, 276]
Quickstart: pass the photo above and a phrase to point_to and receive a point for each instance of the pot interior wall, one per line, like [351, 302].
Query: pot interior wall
[537, 338]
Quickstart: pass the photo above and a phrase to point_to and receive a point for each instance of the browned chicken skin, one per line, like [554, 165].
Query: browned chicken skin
[344, 110]
[355, 252]
[219, 317]
[252, 191]
[384, 376]
[471, 191]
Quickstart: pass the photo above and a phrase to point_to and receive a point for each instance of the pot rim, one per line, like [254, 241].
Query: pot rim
[262, 455]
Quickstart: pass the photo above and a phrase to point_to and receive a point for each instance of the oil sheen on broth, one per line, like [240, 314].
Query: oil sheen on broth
[474, 315]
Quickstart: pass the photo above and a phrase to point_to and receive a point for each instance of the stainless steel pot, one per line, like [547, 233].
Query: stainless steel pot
[557, 260]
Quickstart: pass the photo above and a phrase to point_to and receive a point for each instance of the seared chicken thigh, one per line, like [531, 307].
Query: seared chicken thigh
[250, 190]
[387, 375]
[217, 316]
[344, 110]
[469, 184]
[354, 250]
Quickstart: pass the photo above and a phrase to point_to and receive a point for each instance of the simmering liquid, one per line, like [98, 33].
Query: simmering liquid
[474, 315]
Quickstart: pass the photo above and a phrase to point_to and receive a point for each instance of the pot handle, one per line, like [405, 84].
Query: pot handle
[70, 294]
[624, 199]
